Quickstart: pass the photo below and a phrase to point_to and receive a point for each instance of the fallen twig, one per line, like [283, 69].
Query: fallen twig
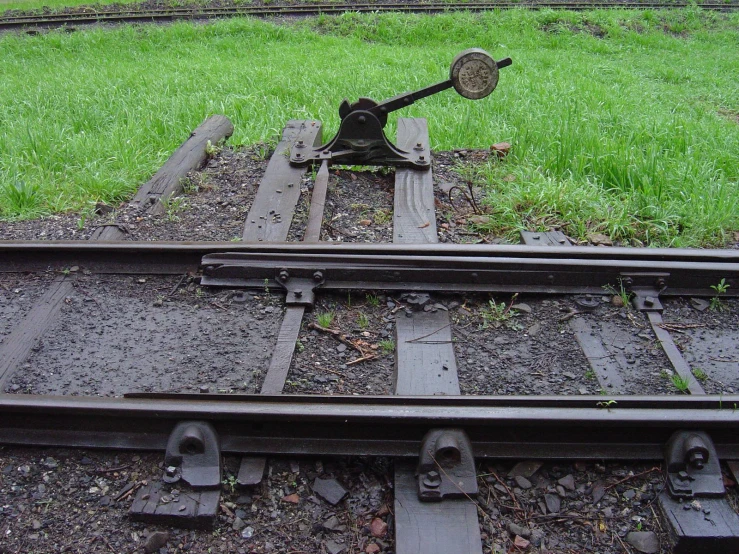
[429, 334]
[338, 335]
[362, 359]
[632, 477]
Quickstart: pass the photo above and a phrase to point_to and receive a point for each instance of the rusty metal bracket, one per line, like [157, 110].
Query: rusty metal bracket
[693, 468]
[193, 455]
[646, 289]
[300, 288]
[694, 506]
[446, 466]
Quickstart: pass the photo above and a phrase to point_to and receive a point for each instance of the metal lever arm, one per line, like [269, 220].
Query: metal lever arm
[408, 98]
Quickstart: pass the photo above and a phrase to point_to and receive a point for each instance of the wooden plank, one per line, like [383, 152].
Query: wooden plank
[271, 212]
[317, 205]
[424, 368]
[414, 217]
[111, 232]
[548, 238]
[167, 181]
[189, 156]
[682, 368]
[191, 509]
[251, 470]
[18, 345]
[606, 370]
[279, 365]
[269, 219]
[424, 355]
[309, 132]
[432, 527]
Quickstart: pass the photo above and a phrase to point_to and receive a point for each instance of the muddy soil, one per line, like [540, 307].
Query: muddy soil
[213, 207]
[359, 360]
[119, 334]
[510, 346]
[18, 294]
[56, 500]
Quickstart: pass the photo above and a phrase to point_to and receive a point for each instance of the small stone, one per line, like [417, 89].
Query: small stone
[155, 541]
[525, 469]
[330, 490]
[553, 503]
[378, 528]
[521, 543]
[372, 549]
[291, 498]
[599, 239]
[629, 494]
[644, 541]
[36, 524]
[524, 483]
[700, 304]
[617, 301]
[521, 307]
[333, 524]
[568, 482]
[479, 219]
[533, 330]
[341, 348]
[598, 491]
[501, 149]
[247, 532]
[334, 547]
[514, 529]
[537, 536]
[365, 222]
[238, 524]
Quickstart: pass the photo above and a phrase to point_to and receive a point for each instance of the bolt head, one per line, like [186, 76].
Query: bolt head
[697, 460]
[284, 275]
[432, 479]
[318, 276]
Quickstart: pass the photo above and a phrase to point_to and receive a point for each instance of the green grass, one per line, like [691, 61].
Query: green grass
[325, 319]
[630, 133]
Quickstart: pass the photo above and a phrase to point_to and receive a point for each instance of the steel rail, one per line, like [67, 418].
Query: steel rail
[30, 21]
[394, 267]
[502, 427]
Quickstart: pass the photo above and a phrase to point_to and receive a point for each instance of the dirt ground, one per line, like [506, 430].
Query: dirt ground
[61, 500]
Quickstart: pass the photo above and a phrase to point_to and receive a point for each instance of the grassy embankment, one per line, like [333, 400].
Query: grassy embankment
[55, 5]
[632, 132]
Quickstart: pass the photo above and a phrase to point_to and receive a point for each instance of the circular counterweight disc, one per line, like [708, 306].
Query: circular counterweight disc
[474, 73]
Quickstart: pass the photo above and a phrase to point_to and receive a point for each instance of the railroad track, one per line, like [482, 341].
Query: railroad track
[425, 419]
[31, 22]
